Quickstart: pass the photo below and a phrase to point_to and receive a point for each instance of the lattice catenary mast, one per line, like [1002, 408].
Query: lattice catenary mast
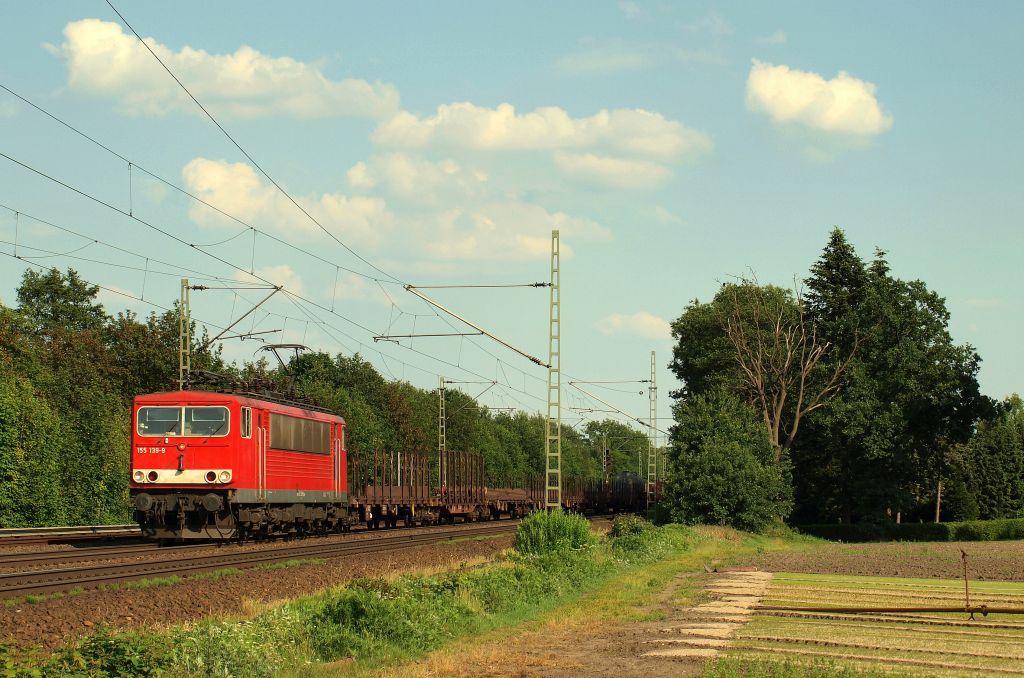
[652, 441]
[184, 337]
[553, 425]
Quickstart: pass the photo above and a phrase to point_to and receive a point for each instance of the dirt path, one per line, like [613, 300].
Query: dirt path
[677, 643]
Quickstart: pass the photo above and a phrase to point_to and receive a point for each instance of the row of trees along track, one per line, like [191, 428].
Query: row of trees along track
[68, 372]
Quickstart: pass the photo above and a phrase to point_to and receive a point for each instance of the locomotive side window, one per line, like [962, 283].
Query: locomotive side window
[299, 435]
[159, 421]
[246, 424]
[206, 422]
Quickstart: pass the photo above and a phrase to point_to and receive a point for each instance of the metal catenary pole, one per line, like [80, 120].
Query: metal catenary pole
[652, 444]
[184, 337]
[553, 433]
[442, 442]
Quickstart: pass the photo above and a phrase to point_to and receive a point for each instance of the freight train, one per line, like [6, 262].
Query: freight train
[236, 466]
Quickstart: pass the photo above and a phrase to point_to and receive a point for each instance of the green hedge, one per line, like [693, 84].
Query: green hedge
[972, 530]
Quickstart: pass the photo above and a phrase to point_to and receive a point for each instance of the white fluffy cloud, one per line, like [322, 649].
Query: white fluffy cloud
[667, 217]
[506, 231]
[238, 190]
[281, 274]
[467, 125]
[843, 104]
[102, 59]
[416, 179]
[776, 38]
[618, 172]
[639, 324]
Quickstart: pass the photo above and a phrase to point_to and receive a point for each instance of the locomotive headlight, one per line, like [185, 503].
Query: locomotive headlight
[139, 476]
[225, 476]
[211, 476]
[152, 476]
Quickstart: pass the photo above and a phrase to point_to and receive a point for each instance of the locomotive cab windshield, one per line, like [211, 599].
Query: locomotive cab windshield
[162, 421]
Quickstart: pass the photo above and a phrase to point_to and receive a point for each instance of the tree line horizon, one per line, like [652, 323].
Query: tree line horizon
[843, 400]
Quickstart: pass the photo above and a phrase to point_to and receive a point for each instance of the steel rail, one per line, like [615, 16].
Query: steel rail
[43, 581]
[36, 535]
[93, 553]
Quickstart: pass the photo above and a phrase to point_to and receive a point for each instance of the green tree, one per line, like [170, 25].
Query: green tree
[54, 300]
[910, 393]
[722, 466]
[995, 463]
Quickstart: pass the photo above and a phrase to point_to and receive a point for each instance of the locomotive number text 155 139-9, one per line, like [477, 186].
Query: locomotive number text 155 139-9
[151, 450]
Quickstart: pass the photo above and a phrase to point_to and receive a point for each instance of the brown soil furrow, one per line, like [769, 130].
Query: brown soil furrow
[894, 618]
[779, 582]
[884, 648]
[885, 660]
[881, 626]
[886, 595]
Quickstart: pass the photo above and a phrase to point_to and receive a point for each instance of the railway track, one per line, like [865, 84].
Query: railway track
[79, 555]
[35, 582]
[59, 535]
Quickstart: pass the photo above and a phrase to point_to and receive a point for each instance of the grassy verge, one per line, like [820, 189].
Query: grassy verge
[558, 570]
[374, 622]
[653, 576]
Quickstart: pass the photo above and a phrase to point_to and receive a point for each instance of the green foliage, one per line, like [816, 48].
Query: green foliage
[68, 373]
[992, 466]
[972, 530]
[722, 467]
[543, 532]
[54, 301]
[635, 540]
[910, 393]
[106, 653]
[907, 403]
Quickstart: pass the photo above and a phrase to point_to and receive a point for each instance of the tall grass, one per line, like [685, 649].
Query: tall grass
[543, 532]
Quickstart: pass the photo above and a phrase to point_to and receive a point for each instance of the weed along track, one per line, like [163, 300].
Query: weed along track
[34, 582]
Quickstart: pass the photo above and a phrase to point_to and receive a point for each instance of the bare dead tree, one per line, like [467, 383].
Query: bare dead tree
[779, 353]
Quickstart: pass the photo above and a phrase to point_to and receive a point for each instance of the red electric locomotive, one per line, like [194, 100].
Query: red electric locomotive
[207, 465]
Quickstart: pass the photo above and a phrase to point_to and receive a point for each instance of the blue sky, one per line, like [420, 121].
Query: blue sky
[675, 145]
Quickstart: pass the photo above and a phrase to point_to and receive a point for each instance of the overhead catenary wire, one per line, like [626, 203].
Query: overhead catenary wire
[244, 152]
[170, 184]
[264, 233]
[111, 290]
[501, 364]
[221, 260]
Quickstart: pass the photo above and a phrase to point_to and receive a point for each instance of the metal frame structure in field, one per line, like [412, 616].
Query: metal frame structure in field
[652, 443]
[553, 425]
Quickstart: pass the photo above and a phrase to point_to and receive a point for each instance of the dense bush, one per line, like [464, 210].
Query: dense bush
[543, 532]
[722, 467]
[635, 540]
[973, 530]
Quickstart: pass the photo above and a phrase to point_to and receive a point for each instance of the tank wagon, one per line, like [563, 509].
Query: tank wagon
[235, 466]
